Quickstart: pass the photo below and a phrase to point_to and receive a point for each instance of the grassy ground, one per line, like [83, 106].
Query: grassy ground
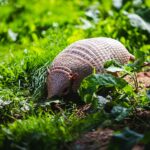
[32, 34]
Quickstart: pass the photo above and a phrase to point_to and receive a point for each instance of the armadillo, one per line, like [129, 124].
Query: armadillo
[78, 60]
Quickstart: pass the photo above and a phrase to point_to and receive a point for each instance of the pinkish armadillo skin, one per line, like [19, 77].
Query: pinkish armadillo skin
[83, 56]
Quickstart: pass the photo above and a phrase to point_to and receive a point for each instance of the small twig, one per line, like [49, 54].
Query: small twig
[124, 75]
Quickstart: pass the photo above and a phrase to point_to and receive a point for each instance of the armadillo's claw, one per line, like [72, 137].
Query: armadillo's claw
[74, 76]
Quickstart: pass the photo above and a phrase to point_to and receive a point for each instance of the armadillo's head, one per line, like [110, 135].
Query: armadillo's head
[58, 84]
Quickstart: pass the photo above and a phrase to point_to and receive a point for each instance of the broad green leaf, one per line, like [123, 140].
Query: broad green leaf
[94, 81]
[114, 69]
[91, 84]
[120, 112]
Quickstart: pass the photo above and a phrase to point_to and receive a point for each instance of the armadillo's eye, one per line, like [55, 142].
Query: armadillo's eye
[65, 91]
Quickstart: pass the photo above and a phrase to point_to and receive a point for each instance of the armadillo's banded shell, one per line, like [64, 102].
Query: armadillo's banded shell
[84, 55]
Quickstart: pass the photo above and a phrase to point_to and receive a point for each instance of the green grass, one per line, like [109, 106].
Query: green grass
[43, 29]
[49, 130]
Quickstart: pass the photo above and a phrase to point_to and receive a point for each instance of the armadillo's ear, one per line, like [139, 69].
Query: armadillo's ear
[74, 76]
[48, 71]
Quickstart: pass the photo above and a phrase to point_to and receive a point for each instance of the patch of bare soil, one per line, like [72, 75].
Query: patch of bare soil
[95, 140]
[142, 78]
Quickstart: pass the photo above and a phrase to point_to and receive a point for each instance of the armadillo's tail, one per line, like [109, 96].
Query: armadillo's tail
[132, 57]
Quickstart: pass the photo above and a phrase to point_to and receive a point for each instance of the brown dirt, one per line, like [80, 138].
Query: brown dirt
[95, 140]
[143, 79]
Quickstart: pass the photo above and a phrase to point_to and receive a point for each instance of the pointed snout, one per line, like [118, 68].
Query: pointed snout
[50, 95]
